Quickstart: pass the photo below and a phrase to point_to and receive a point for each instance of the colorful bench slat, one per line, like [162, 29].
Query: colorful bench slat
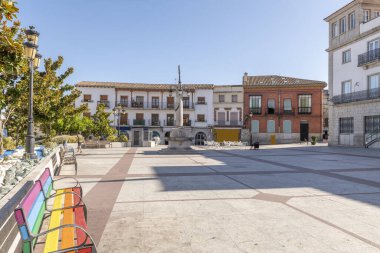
[52, 239]
[31, 212]
[80, 220]
[68, 218]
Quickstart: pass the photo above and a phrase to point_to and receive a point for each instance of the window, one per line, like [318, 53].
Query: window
[271, 126]
[124, 119]
[334, 29]
[373, 81]
[186, 120]
[139, 102]
[373, 45]
[346, 87]
[155, 102]
[170, 101]
[201, 100]
[221, 98]
[351, 21]
[124, 101]
[346, 125]
[234, 118]
[346, 55]
[186, 102]
[372, 124]
[366, 15]
[255, 104]
[201, 118]
[221, 118]
[170, 119]
[376, 14]
[271, 106]
[255, 126]
[287, 127]
[234, 98]
[155, 119]
[139, 119]
[103, 97]
[304, 104]
[287, 105]
[343, 25]
[87, 98]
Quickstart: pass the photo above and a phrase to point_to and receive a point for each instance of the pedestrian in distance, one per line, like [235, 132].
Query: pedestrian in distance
[79, 141]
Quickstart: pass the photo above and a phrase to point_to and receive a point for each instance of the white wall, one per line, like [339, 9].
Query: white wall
[207, 109]
[95, 96]
[351, 71]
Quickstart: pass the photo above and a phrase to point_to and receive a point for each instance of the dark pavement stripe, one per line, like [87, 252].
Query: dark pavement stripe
[102, 197]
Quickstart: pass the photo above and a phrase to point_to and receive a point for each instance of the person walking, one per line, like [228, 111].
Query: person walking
[251, 141]
[79, 149]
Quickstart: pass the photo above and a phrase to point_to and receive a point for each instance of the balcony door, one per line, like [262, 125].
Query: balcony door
[170, 102]
[221, 118]
[234, 118]
[372, 45]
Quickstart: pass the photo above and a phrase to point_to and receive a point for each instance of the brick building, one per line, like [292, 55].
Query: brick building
[282, 109]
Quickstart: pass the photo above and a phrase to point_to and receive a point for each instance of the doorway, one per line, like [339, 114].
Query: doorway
[136, 138]
[304, 131]
[200, 139]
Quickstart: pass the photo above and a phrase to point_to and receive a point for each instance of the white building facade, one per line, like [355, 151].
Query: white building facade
[354, 74]
[149, 108]
[228, 112]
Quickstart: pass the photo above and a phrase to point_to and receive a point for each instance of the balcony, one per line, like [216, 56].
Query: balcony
[228, 123]
[137, 104]
[169, 122]
[304, 110]
[187, 123]
[123, 103]
[124, 122]
[288, 112]
[369, 57]
[139, 122]
[201, 103]
[155, 123]
[357, 96]
[270, 111]
[87, 101]
[255, 110]
[106, 103]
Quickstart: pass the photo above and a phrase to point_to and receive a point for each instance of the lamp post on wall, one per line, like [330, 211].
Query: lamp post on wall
[118, 111]
[30, 50]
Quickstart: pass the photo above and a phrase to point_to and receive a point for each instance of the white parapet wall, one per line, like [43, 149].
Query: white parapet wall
[9, 233]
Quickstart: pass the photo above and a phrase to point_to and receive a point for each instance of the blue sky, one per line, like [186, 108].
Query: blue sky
[215, 41]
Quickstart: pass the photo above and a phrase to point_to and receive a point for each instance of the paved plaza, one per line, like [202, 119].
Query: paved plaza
[285, 199]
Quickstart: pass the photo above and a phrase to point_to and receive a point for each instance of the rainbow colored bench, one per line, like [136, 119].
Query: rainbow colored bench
[68, 218]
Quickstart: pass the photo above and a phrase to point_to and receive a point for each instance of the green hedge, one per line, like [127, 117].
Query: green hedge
[60, 139]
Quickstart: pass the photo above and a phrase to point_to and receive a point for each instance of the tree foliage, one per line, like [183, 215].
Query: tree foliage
[102, 123]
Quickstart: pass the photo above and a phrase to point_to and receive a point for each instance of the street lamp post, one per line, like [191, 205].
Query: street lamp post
[117, 111]
[30, 50]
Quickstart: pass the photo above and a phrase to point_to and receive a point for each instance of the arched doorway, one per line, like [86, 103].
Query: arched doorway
[167, 136]
[200, 139]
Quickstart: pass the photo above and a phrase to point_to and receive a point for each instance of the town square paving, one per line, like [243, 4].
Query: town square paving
[293, 198]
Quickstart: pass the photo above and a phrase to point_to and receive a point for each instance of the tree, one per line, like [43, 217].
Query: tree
[102, 123]
[12, 61]
[54, 100]
[75, 124]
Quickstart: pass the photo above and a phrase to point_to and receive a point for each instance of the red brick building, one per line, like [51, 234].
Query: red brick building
[282, 109]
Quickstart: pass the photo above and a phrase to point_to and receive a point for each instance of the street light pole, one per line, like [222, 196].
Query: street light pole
[30, 50]
[30, 134]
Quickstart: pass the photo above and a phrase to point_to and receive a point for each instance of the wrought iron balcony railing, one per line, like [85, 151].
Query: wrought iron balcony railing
[255, 110]
[106, 103]
[304, 110]
[187, 123]
[139, 122]
[169, 122]
[87, 101]
[357, 96]
[369, 57]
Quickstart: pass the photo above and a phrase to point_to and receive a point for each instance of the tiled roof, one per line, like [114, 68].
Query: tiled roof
[284, 81]
[141, 85]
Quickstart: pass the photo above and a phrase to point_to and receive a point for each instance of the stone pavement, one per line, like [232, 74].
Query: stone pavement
[293, 199]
